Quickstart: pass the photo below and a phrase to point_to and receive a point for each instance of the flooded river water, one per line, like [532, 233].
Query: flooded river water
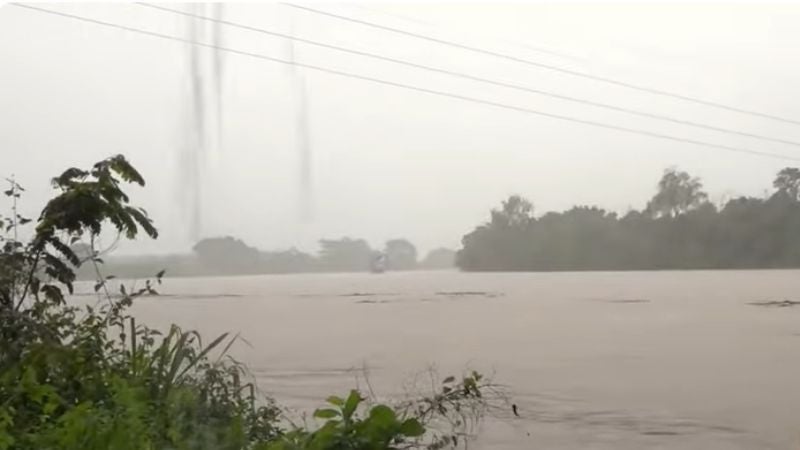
[594, 360]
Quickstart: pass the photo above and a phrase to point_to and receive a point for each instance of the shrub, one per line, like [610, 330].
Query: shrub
[92, 378]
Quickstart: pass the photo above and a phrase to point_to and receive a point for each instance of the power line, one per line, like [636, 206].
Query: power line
[499, 39]
[476, 78]
[530, 62]
[412, 87]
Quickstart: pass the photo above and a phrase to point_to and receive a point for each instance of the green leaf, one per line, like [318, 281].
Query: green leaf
[58, 270]
[65, 251]
[125, 170]
[53, 293]
[412, 428]
[351, 404]
[204, 352]
[382, 416]
[142, 220]
[335, 401]
[326, 413]
[69, 175]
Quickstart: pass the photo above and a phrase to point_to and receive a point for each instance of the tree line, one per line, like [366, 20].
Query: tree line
[229, 255]
[679, 228]
[334, 255]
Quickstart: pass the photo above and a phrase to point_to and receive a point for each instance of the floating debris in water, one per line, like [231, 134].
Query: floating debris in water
[470, 294]
[349, 294]
[371, 301]
[367, 294]
[776, 303]
[660, 433]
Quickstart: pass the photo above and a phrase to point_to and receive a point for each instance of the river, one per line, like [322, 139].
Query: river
[594, 360]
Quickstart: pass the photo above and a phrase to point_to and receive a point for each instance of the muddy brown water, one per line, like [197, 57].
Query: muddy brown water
[594, 360]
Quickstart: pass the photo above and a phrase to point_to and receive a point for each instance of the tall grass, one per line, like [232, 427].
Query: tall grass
[94, 379]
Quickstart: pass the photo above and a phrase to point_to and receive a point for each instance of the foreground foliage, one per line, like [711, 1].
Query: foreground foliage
[92, 378]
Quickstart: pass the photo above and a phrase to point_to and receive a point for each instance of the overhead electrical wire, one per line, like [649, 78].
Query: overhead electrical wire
[412, 87]
[530, 62]
[466, 76]
[420, 22]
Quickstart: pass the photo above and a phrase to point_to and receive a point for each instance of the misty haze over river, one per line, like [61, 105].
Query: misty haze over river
[334, 139]
[600, 360]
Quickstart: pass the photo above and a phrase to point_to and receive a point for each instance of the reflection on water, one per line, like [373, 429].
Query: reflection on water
[666, 360]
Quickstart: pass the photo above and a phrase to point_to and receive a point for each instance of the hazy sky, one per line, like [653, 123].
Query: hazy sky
[389, 162]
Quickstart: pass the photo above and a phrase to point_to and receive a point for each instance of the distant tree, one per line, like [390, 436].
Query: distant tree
[678, 192]
[227, 255]
[787, 182]
[345, 254]
[501, 243]
[440, 258]
[516, 211]
[400, 254]
[289, 261]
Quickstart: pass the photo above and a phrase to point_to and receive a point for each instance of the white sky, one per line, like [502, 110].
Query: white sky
[389, 162]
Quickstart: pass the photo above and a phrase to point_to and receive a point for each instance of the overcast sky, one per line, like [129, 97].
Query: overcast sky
[388, 162]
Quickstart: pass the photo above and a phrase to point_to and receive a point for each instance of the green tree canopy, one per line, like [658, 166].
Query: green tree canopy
[226, 253]
[400, 254]
[345, 254]
[514, 212]
[678, 192]
[787, 182]
[678, 229]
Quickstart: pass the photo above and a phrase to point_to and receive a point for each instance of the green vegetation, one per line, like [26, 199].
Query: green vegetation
[401, 254]
[91, 377]
[345, 254]
[678, 229]
[228, 256]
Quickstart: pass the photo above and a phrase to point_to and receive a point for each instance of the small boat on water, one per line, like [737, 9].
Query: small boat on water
[378, 263]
